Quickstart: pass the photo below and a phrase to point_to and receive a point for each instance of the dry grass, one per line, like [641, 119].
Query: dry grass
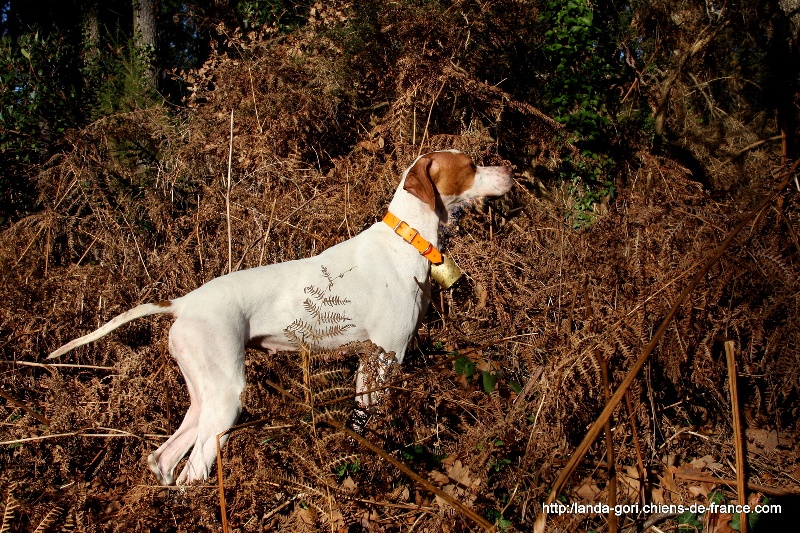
[541, 307]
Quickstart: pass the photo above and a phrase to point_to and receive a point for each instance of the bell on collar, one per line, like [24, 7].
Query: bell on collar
[446, 273]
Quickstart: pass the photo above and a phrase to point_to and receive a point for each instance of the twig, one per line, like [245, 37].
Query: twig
[24, 407]
[655, 519]
[741, 481]
[407, 506]
[70, 434]
[255, 104]
[789, 227]
[48, 366]
[266, 233]
[228, 199]
[769, 491]
[25, 251]
[281, 506]
[427, 122]
[591, 435]
[535, 421]
[136, 243]
[752, 146]
[223, 507]
[80, 260]
[612, 472]
[639, 460]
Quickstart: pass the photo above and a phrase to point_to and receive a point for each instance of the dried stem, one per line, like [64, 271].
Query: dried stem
[741, 480]
[228, 199]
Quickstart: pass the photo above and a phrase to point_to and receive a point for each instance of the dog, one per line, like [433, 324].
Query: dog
[382, 273]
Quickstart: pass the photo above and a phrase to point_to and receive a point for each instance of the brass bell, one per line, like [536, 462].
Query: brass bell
[446, 273]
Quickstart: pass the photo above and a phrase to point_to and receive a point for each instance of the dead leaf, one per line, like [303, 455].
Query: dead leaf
[668, 479]
[439, 478]
[629, 483]
[763, 439]
[348, 485]
[482, 294]
[719, 523]
[461, 473]
[588, 491]
[466, 489]
[337, 520]
[484, 365]
[308, 515]
[686, 470]
[697, 490]
[706, 461]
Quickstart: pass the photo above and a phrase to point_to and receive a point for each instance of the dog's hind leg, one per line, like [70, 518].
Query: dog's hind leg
[220, 382]
[213, 421]
[162, 462]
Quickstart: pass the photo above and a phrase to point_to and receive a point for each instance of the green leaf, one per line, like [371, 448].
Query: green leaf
[489, 381]
[688, 521]
[25, 53]
[464, 366]
[716, 497]
[752, 521]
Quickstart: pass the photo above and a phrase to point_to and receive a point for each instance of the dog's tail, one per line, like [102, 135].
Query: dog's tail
[132, 314]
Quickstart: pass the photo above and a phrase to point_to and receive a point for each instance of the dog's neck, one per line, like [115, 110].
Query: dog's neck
[416, 214]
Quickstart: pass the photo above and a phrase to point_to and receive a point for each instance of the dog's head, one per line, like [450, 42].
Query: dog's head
[449, 178]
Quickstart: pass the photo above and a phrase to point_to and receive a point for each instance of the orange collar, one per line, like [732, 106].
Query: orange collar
[412, 236]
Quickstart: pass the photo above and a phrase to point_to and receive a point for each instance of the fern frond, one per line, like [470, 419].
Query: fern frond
[298, 484]
[348, 459]
[335, 413]
[334, 300]
[336, 330]
[331, 375]
[311, 308]
[774, 266]
[316, 292]
[69, 523]
[326, 317]
[49, 519]
[332, 318]
[10, 505]
[302, 330]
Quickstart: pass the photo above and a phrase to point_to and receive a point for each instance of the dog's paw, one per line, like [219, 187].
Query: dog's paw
[152, 462]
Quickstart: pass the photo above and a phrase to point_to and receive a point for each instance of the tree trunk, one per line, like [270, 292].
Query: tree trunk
[146, 36]
[91, 36]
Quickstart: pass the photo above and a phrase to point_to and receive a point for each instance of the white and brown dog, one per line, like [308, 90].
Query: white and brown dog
[386, 267]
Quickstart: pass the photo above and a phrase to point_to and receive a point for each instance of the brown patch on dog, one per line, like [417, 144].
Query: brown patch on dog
[418, 182]
[452, 172]
[449, 173]
[165, 303]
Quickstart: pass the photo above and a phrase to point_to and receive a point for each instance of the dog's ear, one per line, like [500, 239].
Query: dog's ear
[419, 182]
